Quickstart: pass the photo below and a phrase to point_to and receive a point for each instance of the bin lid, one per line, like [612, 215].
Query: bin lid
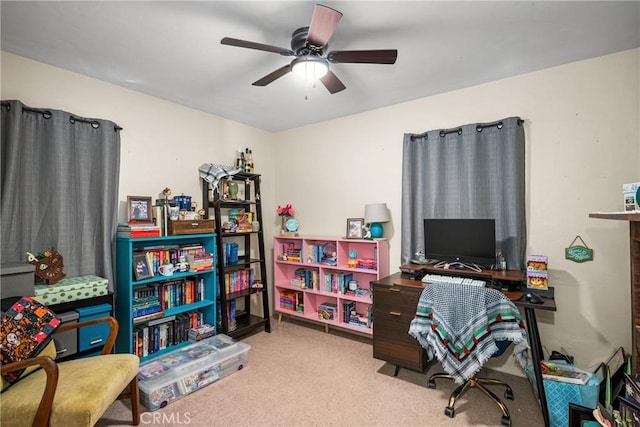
[68, 316]
[94, 309]
[7, 268]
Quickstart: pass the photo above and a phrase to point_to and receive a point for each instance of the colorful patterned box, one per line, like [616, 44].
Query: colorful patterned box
[71, 289]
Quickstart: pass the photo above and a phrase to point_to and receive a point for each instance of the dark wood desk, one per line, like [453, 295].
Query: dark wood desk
[395, 299]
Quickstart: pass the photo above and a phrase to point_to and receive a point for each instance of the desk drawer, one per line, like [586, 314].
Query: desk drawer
[393, 310]
[94, 336]
[406, 355]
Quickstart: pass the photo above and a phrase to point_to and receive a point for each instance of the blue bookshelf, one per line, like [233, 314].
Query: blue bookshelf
[126, 285]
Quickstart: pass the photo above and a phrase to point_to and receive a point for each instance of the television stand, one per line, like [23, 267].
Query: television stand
[446, 265]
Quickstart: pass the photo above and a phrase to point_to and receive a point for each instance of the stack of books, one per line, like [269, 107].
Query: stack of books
[293, 254]
[201, 332]
[369, 264]
[134, 230]
[200, 262]
[145, 308]
[327, 311]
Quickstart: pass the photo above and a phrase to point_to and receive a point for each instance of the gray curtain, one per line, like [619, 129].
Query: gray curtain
[474, 171]
[59, 187]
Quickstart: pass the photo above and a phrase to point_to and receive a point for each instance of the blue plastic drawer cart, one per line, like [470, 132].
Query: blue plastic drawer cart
[94, 336]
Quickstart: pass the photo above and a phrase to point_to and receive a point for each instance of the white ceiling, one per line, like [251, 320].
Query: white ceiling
[172, 50]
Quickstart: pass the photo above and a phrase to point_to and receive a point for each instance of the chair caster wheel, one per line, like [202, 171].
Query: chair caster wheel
[508, 394]
[450, 412]
[431, 384]
[506, 421]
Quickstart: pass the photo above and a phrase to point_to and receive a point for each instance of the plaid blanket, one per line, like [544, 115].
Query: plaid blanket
[212, 173]
[459, 325]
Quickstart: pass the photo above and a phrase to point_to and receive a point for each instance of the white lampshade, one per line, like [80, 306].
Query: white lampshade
[376, 212]
[310, 67]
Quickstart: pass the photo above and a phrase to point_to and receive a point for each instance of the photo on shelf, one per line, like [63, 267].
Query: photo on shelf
[141, 267]
[355, 228]
[139, 209]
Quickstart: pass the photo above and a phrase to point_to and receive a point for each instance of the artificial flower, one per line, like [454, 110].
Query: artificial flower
[285, 210]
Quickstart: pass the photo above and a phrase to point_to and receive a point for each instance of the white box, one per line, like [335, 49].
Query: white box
[631, 196]
[176, 374]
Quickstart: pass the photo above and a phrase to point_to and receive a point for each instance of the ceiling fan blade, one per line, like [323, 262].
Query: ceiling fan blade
[323, 23]
[363, 56]
[272, 76]
[332, 82]
[258, 46]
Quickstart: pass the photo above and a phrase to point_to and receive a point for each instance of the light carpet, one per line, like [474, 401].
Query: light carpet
[299, 375]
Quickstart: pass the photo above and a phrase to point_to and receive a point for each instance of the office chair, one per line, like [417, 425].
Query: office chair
[462, 326]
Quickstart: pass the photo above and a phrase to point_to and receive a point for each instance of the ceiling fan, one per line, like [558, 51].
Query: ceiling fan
[308, 45]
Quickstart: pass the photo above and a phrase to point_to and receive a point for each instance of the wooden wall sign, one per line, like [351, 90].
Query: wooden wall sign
[578, 253]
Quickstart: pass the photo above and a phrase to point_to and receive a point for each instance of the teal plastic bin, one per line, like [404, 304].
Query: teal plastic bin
[94, 336]
[560, 394]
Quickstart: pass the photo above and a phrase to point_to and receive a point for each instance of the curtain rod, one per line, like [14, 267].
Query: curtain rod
[47, 115]
[458, 130]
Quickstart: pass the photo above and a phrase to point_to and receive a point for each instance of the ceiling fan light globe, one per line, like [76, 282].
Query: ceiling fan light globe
[310, 68]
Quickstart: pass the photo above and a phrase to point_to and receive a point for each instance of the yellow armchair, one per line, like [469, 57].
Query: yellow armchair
[74, 392]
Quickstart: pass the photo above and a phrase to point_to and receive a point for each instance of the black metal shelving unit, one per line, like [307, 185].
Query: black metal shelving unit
[252, 256]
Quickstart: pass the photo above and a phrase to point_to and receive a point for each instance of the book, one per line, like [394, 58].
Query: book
[564, 373]
[148, 371]
[139, 230]
[144, 318]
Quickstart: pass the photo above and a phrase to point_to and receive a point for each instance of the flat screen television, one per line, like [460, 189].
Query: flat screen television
[465, 242]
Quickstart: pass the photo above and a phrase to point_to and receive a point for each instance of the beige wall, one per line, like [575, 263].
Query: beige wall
[582, 129]
[162, 144]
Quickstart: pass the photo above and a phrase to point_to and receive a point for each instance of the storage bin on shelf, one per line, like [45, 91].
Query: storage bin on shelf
[17, 279]
[72, 289]
[93, 336]
[178, 373]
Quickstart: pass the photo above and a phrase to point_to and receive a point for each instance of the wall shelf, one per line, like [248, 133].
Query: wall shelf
[634, 253]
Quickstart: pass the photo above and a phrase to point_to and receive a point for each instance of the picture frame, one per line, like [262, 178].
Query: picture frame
[600, 373]
[578, 414]
[142, 268]
[355, 228]
[629, 411]
[139, 209]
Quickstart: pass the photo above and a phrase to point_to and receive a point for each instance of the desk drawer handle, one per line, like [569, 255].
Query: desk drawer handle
[99, 340]
[395, 313]
[394, 289]
[64, 350]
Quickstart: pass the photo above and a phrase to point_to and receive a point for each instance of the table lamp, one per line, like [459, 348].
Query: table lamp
[374, 215]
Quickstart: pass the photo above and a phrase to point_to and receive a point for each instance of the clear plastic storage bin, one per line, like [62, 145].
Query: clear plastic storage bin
[178, 373]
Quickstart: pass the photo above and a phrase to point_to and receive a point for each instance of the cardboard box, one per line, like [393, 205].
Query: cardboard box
[72, 289]
[631, 196]
[178, 373]
[196, 226]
